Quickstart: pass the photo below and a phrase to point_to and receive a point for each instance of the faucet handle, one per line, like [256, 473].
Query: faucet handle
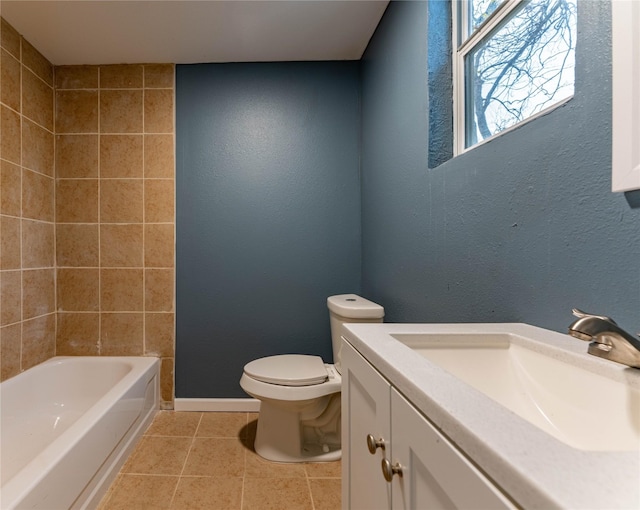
[583, 315]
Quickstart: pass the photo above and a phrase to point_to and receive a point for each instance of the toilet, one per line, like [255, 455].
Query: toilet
[300, 394]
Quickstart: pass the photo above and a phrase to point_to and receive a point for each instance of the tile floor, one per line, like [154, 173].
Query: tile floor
[192, 460]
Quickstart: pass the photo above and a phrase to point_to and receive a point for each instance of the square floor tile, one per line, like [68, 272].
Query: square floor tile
[324, 469]
[170, 423]
[215, 457]
[257, 467]
[159, 455]
[140, 492]
[326, 493]
[223, 425]
[207, 493]
[276, 494]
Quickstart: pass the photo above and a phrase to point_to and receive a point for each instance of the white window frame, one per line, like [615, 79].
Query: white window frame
[461, 48]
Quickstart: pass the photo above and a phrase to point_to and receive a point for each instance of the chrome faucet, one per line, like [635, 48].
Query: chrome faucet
[608, 340]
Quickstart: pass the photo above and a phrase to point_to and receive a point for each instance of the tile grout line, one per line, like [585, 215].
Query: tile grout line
[144, 222]
[244, 470]
[306, 472]
[186, 459]
[21, 213]
[99, 136]
[55, 216]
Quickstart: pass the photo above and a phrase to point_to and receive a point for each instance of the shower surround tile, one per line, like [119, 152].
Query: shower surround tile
[159, 339]
[121, 201]
[38, 340]
[158, 245]
[37, 99]
[78, 145]
[77, 245]
[159, 76]
[27, 187]
[10, 247]
[158, 290]
[115, 212]
[158, 111]
[158, 200]
[121, 245]
[37, 148]
[10, 39]
[121, 156]
[36, 62]
[77, 201]
[76, 156]
[38, 293]
[10, 303]
[78, 289]
[121, 77]
[121, 290]
[10, 81]
[10, 351]
[76, 111]
[37, 196]
[10, 144]
[78, 334]
[10, 189]
[121, 111]
[76, 77]
[121, 334]
[38, 244]
[159, 158]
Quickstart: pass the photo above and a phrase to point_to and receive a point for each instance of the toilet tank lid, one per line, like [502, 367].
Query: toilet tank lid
[352, 306]
[288, 370]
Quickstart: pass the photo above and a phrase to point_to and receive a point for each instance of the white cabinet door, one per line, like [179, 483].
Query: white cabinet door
[365, 410]
[435, 474]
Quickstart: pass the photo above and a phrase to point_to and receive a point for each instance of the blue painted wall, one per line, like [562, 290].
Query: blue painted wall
[522, 228]
[268, 214]
[300, 180]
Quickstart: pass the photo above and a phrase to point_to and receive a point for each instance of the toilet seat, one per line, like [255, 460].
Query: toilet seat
[288, 370]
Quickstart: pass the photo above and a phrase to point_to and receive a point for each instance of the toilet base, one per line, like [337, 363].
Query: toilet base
[282, 436]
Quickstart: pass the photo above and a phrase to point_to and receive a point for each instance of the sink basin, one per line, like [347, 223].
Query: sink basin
[577, 406]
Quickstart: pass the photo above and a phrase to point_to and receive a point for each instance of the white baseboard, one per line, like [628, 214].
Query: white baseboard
[247, 405]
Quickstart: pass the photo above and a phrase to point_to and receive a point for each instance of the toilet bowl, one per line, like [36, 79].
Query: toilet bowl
[299, 394]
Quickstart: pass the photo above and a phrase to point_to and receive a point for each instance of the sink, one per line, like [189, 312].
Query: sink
[576, 405]
[550, 424]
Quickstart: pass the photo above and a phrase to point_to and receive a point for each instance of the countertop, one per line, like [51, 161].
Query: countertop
[535, 469]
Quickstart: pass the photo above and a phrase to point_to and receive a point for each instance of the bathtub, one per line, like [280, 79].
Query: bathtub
[67, 426]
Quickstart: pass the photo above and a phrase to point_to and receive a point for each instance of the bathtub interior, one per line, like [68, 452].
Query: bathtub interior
[92, 412]
[39, 407]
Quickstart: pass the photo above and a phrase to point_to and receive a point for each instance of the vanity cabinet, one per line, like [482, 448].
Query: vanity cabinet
[424, 470]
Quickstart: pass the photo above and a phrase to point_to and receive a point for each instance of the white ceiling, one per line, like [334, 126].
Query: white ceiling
[187, 31]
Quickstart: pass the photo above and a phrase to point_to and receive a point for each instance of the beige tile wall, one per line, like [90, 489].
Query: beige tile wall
[87, 210]
[27, 207]
[115, 212]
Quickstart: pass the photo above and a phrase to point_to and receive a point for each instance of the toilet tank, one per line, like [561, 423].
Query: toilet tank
[346, 308]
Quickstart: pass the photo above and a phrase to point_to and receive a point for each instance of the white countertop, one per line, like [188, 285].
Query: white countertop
[534, 468]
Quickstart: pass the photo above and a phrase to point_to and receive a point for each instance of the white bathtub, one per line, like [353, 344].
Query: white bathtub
[67, 426]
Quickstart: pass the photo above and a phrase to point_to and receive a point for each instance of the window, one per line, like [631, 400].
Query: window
[513, 59]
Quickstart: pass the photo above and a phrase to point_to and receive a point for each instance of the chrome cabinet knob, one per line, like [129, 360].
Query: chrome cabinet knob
[388, 470]
[373, 444]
